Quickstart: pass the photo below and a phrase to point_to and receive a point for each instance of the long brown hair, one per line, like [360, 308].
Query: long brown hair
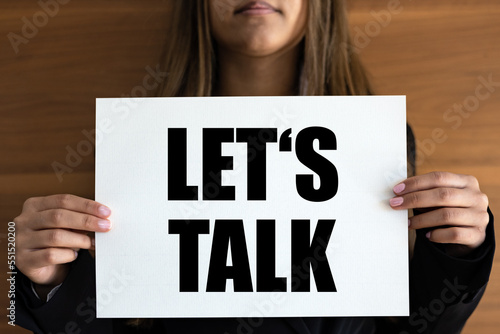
[329, 64]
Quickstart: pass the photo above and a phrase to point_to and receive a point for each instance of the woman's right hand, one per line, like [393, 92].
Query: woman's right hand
[49, 232]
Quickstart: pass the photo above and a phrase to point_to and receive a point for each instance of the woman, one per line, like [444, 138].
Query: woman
[254, 48]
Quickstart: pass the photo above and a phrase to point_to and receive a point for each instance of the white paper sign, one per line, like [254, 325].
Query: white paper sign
[251, 207]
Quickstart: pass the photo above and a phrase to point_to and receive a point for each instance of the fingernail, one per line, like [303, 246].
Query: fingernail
[93, 242]
[409, 223]
[104, 224]
[428, 235]
[76, 254]
[104, 210]
[397, 201]
[399, 188]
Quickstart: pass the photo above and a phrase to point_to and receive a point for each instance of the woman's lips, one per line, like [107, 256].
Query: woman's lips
[256, 8]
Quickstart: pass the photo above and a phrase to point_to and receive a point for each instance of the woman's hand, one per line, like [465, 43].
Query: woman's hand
[455, 209]
[51, 230]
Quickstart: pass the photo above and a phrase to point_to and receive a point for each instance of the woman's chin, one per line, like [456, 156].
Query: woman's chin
[258, 46]
[258, 52]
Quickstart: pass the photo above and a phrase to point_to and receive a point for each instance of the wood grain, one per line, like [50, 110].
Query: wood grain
[432, 51]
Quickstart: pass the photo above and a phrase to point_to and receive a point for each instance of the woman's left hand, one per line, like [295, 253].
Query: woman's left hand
[455, 209]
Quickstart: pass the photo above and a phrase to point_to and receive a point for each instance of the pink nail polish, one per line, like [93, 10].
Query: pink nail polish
[396, 201]
[104, 224]
[105, 211]
[409, 223]
[399, 188]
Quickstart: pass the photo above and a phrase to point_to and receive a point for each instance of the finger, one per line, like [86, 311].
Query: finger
[49, 256]
[469, 236]
[58, 238]
[91, 235]
[60, 218]
[449, 216]
[433, 198]
[435, 180]
[70, 202]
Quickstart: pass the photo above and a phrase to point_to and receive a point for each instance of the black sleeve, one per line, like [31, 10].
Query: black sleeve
[72, 309]
[444, 290]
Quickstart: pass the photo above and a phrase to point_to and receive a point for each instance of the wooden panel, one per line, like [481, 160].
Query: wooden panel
[89, 49]
[432, 51]
[86, 51]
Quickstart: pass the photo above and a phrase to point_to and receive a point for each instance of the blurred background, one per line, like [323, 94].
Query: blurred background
[54, 62]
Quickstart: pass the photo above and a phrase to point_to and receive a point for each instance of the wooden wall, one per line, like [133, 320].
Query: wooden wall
[432, 51]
